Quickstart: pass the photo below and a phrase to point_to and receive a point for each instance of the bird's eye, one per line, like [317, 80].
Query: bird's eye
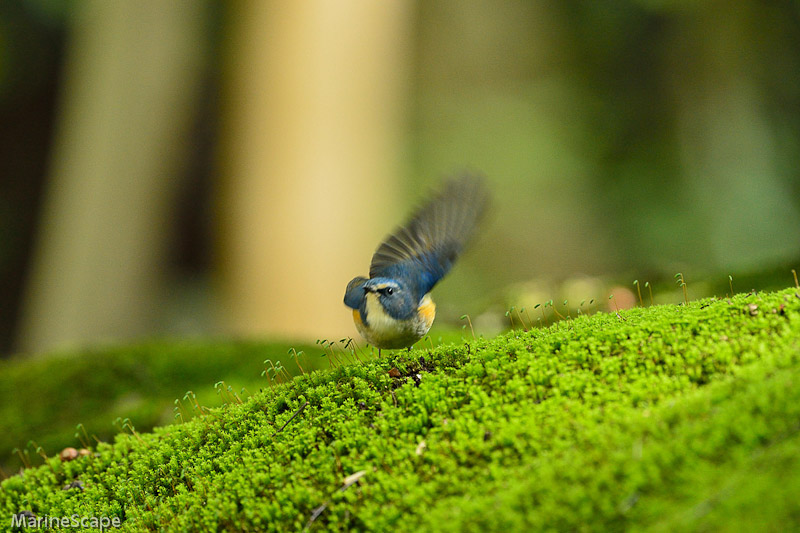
[389, 291]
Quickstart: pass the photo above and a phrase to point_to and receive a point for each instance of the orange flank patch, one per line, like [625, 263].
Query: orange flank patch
[427, 310]
[357, 318]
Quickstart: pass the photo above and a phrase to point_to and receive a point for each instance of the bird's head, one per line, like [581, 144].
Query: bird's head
[394, 296]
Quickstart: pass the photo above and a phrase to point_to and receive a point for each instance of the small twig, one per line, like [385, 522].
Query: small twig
[796, 285]
[348, 482]
[315, 514]
[292, 417]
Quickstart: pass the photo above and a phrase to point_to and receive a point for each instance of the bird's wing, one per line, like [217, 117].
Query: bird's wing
[426, 246]
[354, 294]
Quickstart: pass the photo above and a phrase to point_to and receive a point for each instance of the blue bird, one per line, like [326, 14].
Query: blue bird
[393, 307]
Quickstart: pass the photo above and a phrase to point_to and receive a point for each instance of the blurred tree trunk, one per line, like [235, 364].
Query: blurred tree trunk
[129, 90]
[728, 144]
[311, 148]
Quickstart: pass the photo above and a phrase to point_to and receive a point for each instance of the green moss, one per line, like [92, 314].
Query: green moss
[665, 418]
[44, 399]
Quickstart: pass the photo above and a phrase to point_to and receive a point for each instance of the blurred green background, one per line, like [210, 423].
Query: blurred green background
[223, 169]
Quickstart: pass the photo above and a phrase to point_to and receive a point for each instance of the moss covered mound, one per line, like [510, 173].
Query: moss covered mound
[44, 398]
[669, 417]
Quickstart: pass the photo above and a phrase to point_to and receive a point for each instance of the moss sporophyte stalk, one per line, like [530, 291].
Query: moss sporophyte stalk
[679, 417]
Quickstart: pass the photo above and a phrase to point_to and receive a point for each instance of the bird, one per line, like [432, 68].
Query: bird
[393, 308]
